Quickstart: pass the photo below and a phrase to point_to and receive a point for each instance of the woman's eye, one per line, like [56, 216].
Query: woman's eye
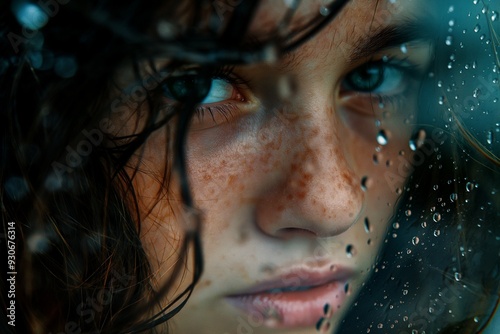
[188, 88]
[217, 95]
[200, 89]
[220, 91]
[378, 78]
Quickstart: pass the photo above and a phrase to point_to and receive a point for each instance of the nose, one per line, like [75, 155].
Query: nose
[314, 191]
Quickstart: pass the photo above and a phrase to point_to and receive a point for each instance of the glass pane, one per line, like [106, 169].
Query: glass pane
[264, 167]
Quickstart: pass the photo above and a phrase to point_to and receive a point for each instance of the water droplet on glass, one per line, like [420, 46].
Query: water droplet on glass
[324, 11]
[346, 288]
[404, 48]
[423, 224]
[441, 99]
[436, 217]
[453, 197]
[415, 241]
[367, 225]
[376, 158]
[380, 326]
[408, 213]
[395, 225]
[382, 138]
[458, 277]
[365, 183]
[350, 251]
[451, 23]
[323, 325]
[417, 140]
[405, 292]
[449, 40]
[437, 233]
[469, 186]
[494, 15]
[476, 319]
[327, 311]
[489, 137]
[477, 28]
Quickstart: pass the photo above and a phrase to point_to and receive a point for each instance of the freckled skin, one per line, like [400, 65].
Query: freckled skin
[275, 186]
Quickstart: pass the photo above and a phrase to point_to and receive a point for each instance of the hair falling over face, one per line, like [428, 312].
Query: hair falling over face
[249, 166]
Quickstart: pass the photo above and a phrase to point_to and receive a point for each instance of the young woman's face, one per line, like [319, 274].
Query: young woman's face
[296, 166]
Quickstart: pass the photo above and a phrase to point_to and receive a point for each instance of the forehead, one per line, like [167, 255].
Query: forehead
[357, 17]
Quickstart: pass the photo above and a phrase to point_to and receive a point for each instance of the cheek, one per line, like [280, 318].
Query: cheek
[226, 163]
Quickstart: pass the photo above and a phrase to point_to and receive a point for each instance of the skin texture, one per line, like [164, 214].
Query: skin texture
[278, 178]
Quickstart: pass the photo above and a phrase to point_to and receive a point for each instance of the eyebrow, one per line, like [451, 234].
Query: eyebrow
[391, 36]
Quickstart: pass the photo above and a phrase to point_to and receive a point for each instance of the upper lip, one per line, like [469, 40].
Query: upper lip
[300, 278]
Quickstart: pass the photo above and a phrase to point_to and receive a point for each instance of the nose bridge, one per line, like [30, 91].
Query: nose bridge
[318, 192]
[320, 172]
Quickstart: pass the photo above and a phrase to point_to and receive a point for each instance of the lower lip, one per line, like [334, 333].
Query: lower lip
[292, 309]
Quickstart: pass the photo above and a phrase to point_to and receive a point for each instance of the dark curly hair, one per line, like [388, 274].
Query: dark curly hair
[80, 263]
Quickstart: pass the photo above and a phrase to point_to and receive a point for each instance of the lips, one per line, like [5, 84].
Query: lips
[297, 299]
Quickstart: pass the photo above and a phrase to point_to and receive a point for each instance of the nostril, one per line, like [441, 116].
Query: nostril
[293, 232]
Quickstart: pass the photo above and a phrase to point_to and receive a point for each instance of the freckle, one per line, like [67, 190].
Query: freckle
[265, 158]
[207, 177]
[243, 237]
[301, 194]
[314, 132]
[280, 208]
[204, 284]
[268, 269]
[351, 215]
[231, 179]
[289, 197]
